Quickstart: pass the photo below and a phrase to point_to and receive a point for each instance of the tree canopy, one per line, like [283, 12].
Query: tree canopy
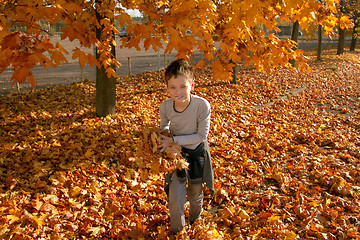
[226, 32]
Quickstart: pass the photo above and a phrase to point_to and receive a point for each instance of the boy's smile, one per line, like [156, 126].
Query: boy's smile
[179, 89]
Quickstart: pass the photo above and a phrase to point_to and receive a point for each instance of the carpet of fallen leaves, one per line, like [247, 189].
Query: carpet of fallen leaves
[285, 148]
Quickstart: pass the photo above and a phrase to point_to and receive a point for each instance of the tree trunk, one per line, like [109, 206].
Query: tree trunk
[294, 37]
[319, 42]
[234, 73]
[354, 34]
[295, 31]
[341, 42]
[105, 102]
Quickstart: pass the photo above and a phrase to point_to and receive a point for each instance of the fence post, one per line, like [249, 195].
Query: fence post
[129, 65]
[17, 87]
[164, 61]
[81, 72]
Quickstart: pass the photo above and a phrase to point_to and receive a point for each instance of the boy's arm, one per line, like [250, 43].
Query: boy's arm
[164, 121]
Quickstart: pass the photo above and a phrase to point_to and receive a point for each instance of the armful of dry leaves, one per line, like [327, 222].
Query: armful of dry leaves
[149, 149]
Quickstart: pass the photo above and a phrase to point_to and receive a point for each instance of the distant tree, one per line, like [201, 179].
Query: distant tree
[294, 37]
[344, 22]
[341, 39]
[319, 34]
[354, 35]
[320, 37]
[105, 102]
[353, 10]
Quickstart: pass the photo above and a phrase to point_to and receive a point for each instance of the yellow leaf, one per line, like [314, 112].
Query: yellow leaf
[80, 55]
[12, 219]
[98, 196]
[139, 162]
[154, 141]
[200, 64]
[255, 233]
[105, 21]
[95, 231]
[75, 191]
[215, 233]
[92, 60]
[61, 48]
[20, 75]
[232, 209]
[273, 218]
[58, 6]
[187, 6]
[314, 204]
[345, 19]
[110, 72]
[155, 43]
[252, 167]
[89, 153]
[31, 79]
[38, 221]
[123, 18]
[243, 214]
[56, 144]
[289, 235]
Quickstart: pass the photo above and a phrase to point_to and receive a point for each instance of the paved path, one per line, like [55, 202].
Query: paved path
[141, 61]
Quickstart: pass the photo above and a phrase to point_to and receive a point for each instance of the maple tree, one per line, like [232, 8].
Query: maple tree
[285, 150]
[239, 27]
[89, 22]
[106, 73]
[341, 29]
[352, 10]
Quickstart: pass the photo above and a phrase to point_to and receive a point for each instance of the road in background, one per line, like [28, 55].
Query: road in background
[72, 72]
[140, 61]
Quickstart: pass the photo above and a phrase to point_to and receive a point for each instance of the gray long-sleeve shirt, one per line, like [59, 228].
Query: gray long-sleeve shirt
[191, 126]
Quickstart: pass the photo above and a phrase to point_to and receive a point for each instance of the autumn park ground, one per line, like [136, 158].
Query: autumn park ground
[285, 149]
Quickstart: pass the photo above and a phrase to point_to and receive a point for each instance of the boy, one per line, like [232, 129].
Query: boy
[188, 117]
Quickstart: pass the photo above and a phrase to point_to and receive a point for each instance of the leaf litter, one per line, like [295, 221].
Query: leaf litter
[288, 170]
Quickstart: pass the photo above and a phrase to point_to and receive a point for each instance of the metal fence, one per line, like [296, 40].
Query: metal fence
[132, 62]
[74, 72]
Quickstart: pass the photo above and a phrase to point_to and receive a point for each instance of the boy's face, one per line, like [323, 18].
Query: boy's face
[179, 89]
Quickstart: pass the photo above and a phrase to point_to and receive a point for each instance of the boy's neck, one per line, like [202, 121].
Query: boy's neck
[180, 107]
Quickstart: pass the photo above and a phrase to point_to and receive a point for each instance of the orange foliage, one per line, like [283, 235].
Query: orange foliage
[241, 28]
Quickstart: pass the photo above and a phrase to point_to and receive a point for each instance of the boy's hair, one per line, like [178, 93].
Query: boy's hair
[179, 67]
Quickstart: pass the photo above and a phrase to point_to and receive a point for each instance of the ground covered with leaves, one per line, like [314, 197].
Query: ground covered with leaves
[285, 148]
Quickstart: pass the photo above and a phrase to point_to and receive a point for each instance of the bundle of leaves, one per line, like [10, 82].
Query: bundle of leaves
[159, 158]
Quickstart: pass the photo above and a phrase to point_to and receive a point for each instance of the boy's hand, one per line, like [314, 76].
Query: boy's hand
[166, 142]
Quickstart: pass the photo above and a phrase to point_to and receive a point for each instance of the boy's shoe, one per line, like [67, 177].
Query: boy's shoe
[196, 220]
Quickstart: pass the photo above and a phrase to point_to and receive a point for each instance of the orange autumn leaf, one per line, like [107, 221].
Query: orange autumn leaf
[77, 53]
